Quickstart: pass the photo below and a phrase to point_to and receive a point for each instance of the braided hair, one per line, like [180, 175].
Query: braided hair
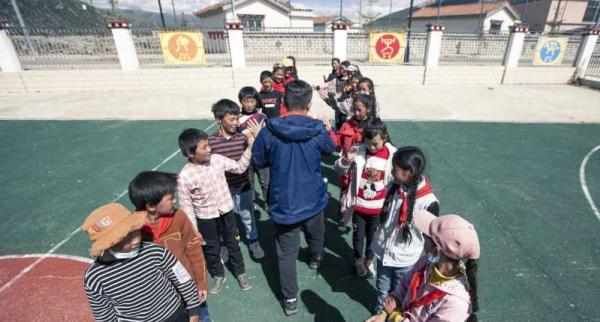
[409, 158]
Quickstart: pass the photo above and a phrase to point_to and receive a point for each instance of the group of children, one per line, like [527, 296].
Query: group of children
[384, 191]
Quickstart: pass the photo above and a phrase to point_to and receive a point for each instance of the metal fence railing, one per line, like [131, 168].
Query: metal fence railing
[270, 47]
[593, 69]
[147, 46]
[65, 49]
[477, 49]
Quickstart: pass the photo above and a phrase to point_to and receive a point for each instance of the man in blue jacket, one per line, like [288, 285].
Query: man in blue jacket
[291, 147]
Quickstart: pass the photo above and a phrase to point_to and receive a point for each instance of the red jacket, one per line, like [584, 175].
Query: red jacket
[280, 87]
[348, 135]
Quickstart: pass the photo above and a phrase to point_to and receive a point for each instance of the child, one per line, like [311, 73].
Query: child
[271, 100]
[230, 143]
[366, 86]
[279, 78]
[350, 133]
[444, 289]
[251, 103]
[131, 280]
[154, 193]
[335, 71]
[368, 172]
[291, 72]
[398, 244]
[249, 99]
[205, 198]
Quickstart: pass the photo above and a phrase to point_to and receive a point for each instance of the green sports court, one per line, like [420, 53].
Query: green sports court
[522, 185]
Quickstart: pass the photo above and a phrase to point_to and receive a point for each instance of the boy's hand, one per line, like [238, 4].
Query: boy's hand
[202, 295]
[389, 304]
[327, 123]
[194, 318]
[252, 129]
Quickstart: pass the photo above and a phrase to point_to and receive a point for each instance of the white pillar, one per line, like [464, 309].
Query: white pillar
[235, 36]
[340, 40]
[433, 47]
[125, 45]
[514, 48]
[9, 60]
[586, 48]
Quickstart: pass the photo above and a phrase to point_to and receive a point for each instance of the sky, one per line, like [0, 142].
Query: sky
[320, 7]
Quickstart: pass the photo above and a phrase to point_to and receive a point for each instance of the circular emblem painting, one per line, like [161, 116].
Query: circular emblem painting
[387, 46]
[182, 47]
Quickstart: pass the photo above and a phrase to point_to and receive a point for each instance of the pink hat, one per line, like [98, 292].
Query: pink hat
[452, 234]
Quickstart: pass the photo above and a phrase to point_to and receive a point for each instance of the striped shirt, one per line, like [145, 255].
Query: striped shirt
[231, 148]
[148, 287]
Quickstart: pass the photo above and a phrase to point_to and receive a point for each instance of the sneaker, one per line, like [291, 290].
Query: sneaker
[314, 263]
[359, 267]
[256, 251]
[370, 265]
[243, 282]
[219, 284]
[290, 306]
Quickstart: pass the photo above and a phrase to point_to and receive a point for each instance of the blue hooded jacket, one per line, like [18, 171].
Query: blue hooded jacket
[292, 147]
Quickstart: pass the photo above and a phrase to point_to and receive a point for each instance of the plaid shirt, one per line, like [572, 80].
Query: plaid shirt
[202, 189]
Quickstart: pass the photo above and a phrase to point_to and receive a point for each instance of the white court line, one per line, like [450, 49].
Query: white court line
[74, 232]
[584, 186]
[61, 256]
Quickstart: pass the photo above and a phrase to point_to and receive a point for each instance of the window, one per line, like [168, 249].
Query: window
[592, 12]
[252, 22]
[495, 26]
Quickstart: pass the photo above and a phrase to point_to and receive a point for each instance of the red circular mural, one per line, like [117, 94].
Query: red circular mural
[387, 46]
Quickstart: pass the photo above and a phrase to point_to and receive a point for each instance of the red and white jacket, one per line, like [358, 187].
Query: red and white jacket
[367, 178]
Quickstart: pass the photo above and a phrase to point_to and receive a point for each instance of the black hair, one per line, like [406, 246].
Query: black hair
[188, 141]
[298, 95]
[149, 187]
[335, 59]
[375, 127]
[277, 67]
[371, 91]
[346, 63]
[369, 102]
[410, 158]
[223, 107]
[265, 74]
[471, 266]
[249, 91]
[293, 68]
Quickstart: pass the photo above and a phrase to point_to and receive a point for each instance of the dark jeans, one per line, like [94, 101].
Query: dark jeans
[181, 315]
[365, 227]
[263, 181]
[287, 245]
[217, 229]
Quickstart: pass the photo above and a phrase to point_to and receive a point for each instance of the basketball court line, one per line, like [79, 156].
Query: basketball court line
[50, 252]
[583, 182]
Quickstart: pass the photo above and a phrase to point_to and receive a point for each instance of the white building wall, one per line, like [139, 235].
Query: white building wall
[503, 15]
[274, 17]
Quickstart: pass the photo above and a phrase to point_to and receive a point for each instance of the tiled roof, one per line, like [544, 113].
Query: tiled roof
[467, 9]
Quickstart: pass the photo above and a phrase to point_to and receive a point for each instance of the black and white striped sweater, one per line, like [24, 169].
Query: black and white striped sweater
[148, 287]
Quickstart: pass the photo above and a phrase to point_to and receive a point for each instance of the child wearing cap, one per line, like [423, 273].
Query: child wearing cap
[442, 289]
[271, 100]
[131, 280]
[204, 196]
[154, 193]
[398, 244]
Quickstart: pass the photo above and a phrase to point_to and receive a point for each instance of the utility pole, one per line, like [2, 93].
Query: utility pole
[556, 11]
[22, 23]
[341, 8]
[360, 13]
[162, 16]
[410, 14]
[235, 17]
[174, 13]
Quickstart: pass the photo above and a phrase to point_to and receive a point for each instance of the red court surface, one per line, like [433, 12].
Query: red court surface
[51, 291]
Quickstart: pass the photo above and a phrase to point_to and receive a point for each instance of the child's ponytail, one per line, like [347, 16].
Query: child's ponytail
[411, 196]
[471, 272]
